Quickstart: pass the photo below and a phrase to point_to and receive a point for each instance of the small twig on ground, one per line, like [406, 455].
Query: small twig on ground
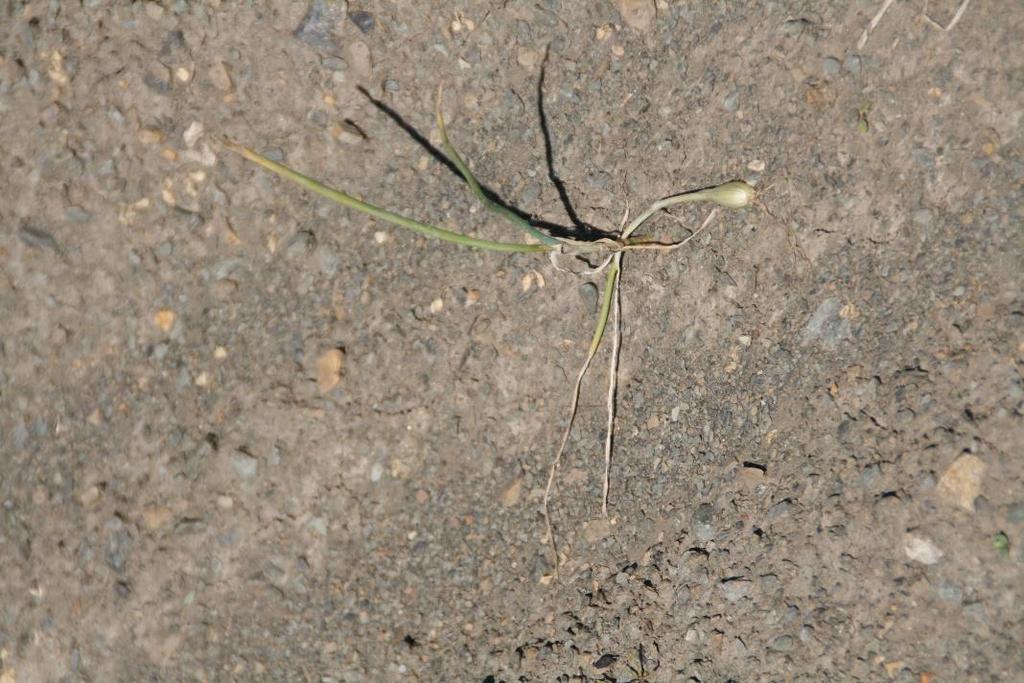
[874, 22]
[952, 22]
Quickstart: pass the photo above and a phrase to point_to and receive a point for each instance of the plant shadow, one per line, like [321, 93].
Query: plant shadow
[578, 230]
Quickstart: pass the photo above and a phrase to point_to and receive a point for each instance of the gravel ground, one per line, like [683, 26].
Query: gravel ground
[249, 435]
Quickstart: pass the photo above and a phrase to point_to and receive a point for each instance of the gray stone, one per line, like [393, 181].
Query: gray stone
[781, 644]
[317, 29]
[869, 475]
[40, 239]
[588, 294]
[77, 214]
[300, 244]
[736, 589]
[949, 592]
[922, 216]
[831, 67]
[1016, 513]
[364, 21]
[825, 323]
[333, 63]
[244, 465]
[732, 101]
[701, 524]
[780, 509]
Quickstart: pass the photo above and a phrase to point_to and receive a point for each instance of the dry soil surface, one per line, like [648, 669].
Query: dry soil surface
[247, 434]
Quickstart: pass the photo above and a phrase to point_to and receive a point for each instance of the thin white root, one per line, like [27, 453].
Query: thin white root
[613, 369]
[706, 223]
[952, 22]
[874, 22]
[613, 376]
[574, 406]
[555, 253]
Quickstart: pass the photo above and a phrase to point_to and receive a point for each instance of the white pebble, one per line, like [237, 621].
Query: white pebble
[921, 550]
[192, 134]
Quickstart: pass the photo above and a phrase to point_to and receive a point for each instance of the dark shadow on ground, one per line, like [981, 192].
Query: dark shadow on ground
[577, 231]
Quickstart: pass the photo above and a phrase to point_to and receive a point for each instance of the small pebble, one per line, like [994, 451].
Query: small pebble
[358, 54]
[319, 24]
[510, 496]
[376, 472]
[328, 369]
[192, 134]
[164, 319]
[224, 288]
[831, 67]
[157, 78]
[853, 64]
[637, 14]
[921, 550]
[735, 590]
[77, 214]
[219, 76]
[732, 101]
[869, 475]
[150, 136]
[244, 465]
[701, 522]
[89, 496]
[364, 21]
[527, 57]
[155, 517]
[780, 509]
[526, 282]
[1016, 513]
[949, 592]
[40, 239]
[781, 644]
[334, 63]
[588, 293]
[960, 484]
[436, 306]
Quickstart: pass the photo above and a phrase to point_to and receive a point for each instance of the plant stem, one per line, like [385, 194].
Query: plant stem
[377, 212]
[474, 185]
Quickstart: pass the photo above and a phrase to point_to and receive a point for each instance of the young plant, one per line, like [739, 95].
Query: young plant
[608, 250]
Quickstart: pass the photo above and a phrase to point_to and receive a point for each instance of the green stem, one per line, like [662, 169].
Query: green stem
[698, 196]
[474, 185]
[377, 212]
[606, 307]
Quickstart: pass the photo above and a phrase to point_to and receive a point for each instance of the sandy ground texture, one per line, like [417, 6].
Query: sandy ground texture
[249, 435]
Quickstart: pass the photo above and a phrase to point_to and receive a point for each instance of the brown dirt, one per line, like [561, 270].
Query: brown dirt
[184, 499]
